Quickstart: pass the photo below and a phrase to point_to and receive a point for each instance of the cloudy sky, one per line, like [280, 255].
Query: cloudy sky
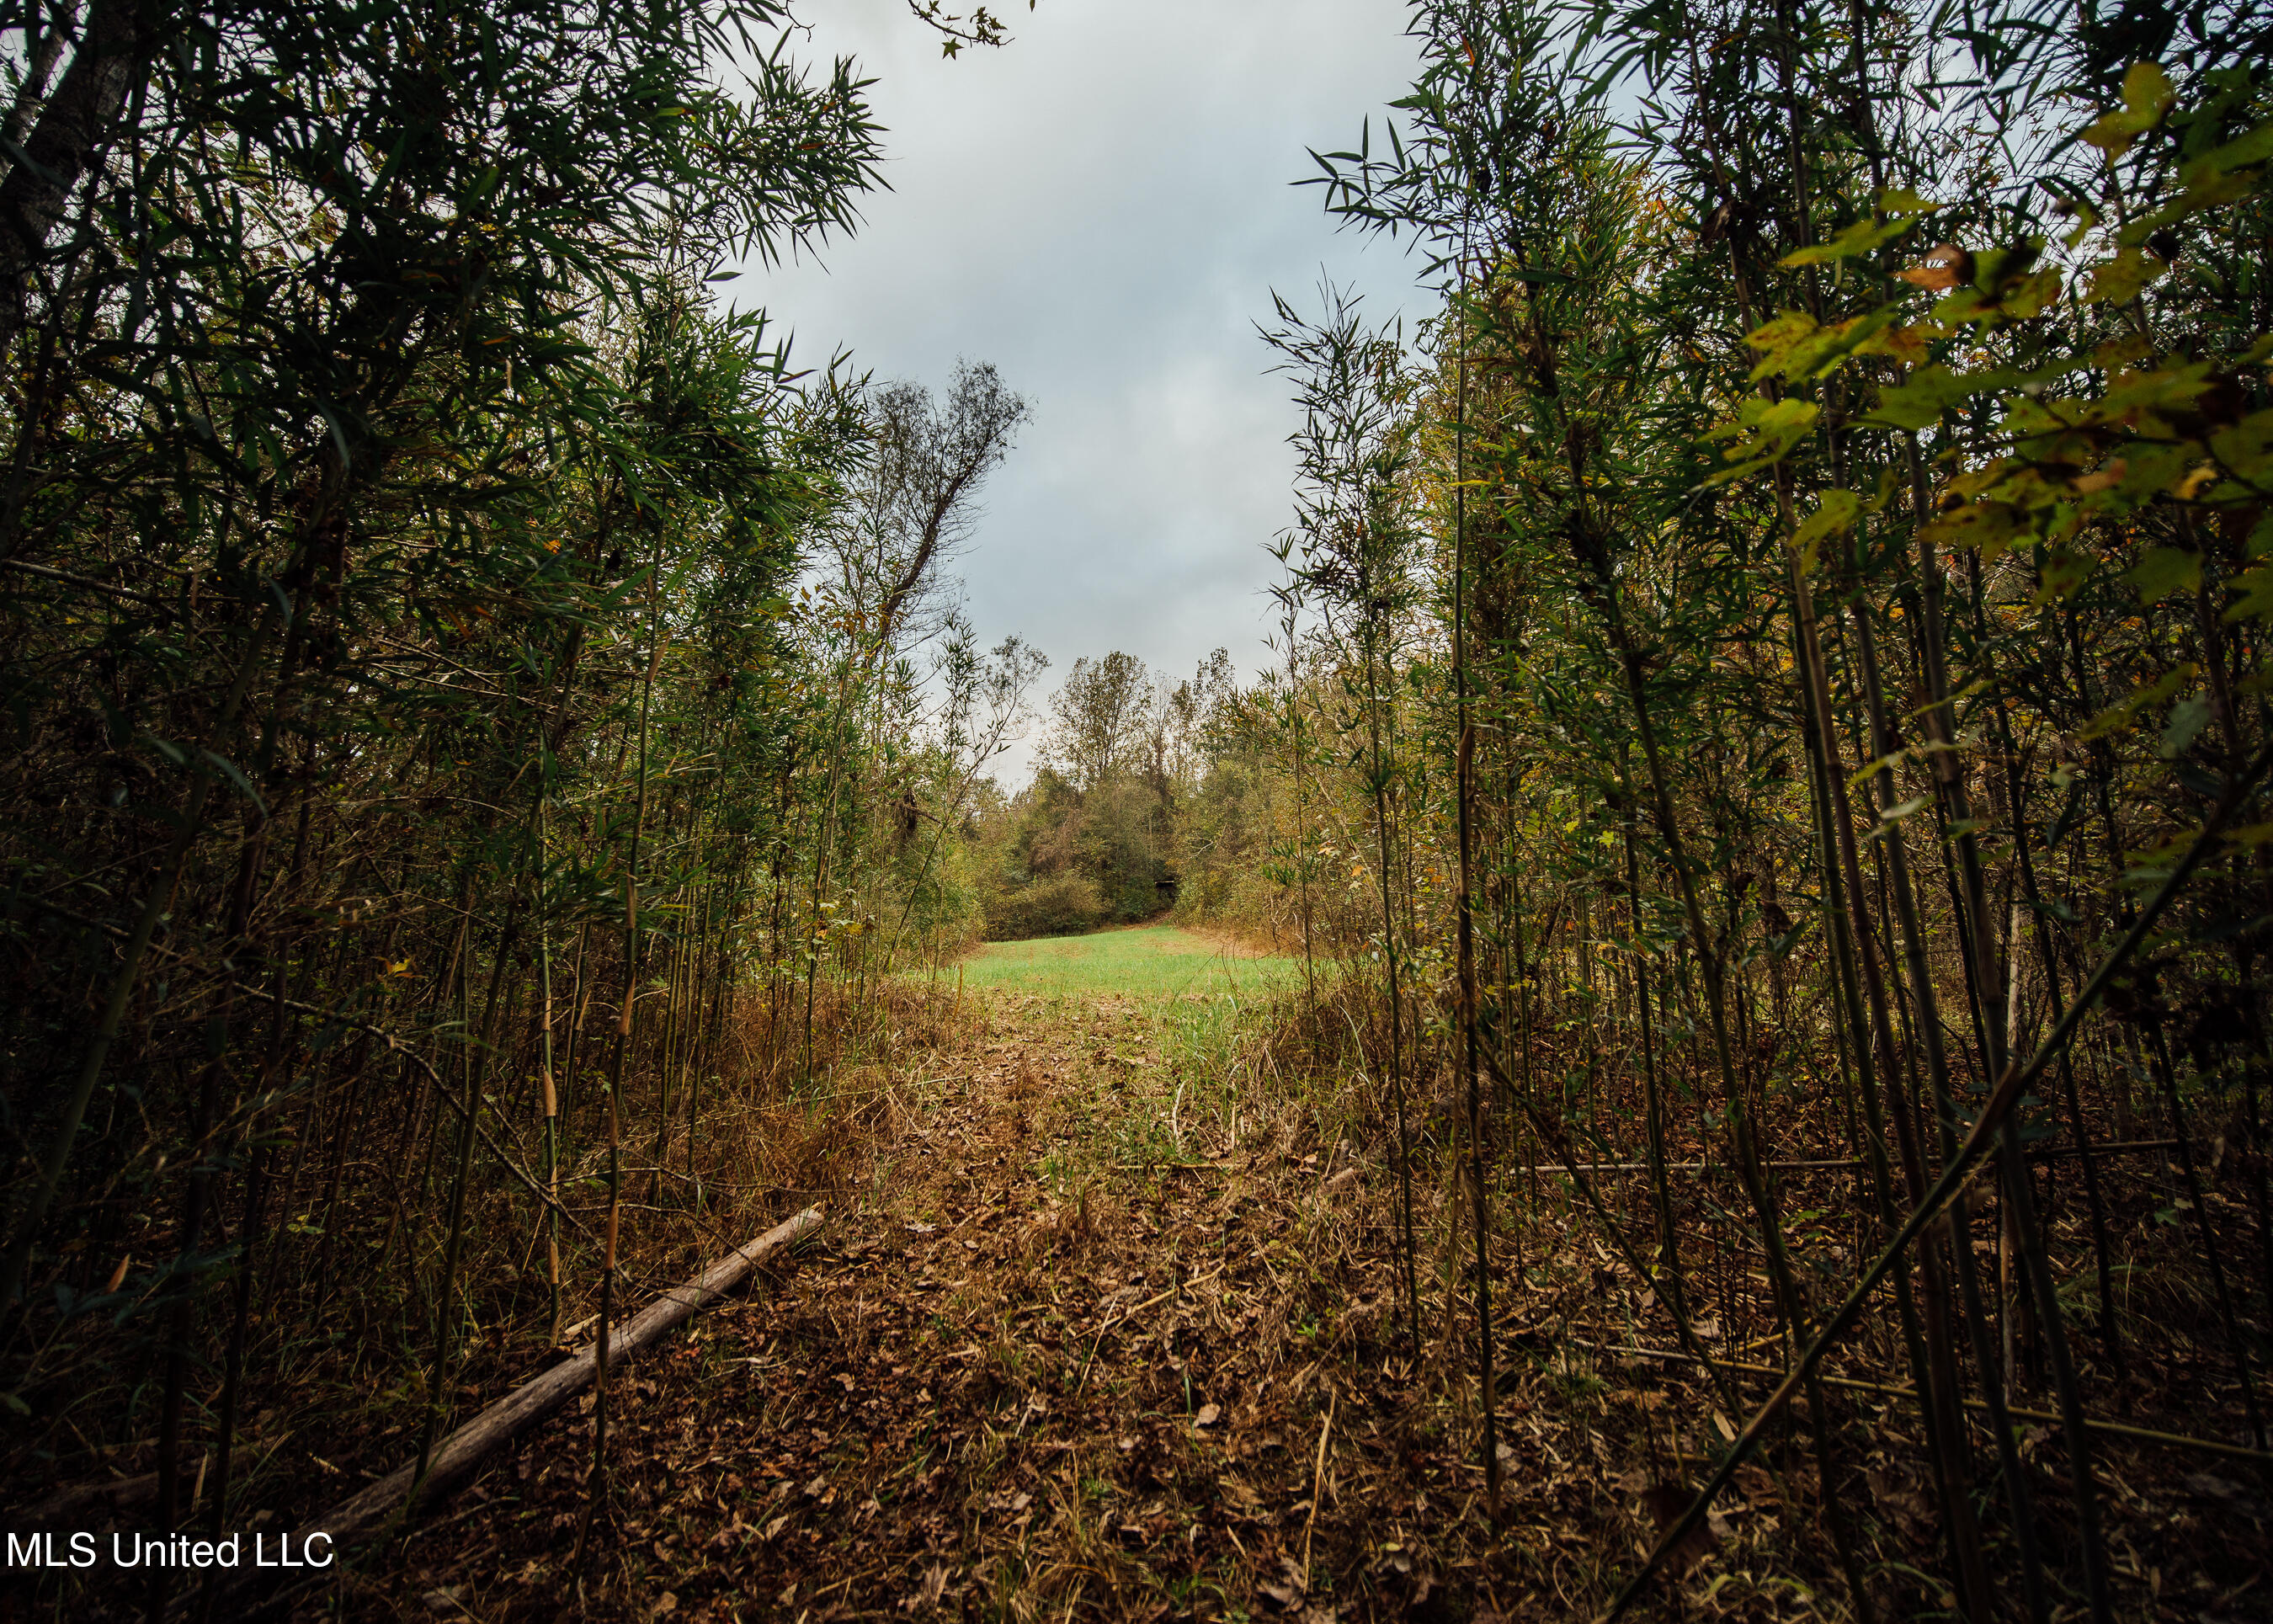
[1102, 209]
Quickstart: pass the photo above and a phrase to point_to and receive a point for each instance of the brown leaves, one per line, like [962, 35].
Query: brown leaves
[927, 1594]
[911, 1437]
[1902, 1502]
[1289, 1587]
[1945, 266]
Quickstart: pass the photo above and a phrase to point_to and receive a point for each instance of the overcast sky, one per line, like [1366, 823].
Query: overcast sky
[1102, 209]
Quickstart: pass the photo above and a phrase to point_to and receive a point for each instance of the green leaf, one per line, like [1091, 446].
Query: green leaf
[2245, 448]
[1930, 391]
[1764, 433]
[2189, 718]
[2256, 600]
[1871, 769]
[2124, 712]
[2224, 174]
[1901, 201]
[1987, 527]
[229, 769]
[2245, 152]
[2117, 280]
[2162, 571]
[2147, 96]
[1833, 515]
[1863, 237]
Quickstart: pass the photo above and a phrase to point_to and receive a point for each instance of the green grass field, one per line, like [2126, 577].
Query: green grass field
[1150, 961]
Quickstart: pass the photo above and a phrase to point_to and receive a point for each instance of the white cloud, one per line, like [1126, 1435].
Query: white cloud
[1102, 209]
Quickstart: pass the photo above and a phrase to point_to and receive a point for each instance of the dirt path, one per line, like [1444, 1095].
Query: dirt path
[1100, 1330]
[1069, 1354]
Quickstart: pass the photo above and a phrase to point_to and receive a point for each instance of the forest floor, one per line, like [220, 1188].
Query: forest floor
[1066, 1350]
[1095, 1332]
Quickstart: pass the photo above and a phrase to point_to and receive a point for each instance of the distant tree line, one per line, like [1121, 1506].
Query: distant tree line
[1109, 829]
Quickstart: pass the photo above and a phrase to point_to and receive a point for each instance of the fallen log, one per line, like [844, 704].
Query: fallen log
[372, 1508]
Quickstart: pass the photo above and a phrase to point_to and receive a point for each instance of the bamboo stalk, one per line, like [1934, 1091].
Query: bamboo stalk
[1942, 1198]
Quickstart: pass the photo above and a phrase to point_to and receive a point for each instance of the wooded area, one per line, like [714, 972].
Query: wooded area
[1763, 777]
[460, 692]
[1795, 629]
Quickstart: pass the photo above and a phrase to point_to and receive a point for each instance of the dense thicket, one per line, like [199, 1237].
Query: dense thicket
[1777, 695]
[467, 701]
[1769, 740]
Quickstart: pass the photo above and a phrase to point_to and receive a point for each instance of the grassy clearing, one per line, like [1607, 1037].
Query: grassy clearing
[1162, 1012]
[1148, 962]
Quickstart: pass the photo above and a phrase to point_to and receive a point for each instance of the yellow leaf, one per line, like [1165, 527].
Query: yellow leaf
[1833, 515]
[2147, 96]
[1764, 433]
[1775, 340]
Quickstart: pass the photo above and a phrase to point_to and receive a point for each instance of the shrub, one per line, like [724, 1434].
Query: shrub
[1056, 906]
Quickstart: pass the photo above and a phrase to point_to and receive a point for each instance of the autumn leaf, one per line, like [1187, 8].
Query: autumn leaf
[2147, 96]
[2162, 571]
[1945, 266]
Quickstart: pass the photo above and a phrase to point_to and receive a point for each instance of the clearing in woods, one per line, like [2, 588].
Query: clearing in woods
[1090, 1288]
[1103, 1325]
[1143, 961]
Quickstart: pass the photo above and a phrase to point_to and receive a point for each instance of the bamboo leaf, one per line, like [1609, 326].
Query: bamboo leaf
[2147, 96]
[2162, 571]
[2120, 715]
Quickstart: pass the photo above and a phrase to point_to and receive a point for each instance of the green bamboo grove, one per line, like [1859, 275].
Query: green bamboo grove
[1775, 686]
[463, 687]
[1764, 753]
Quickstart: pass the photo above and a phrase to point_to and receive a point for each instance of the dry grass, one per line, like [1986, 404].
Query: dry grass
[1098, 1273]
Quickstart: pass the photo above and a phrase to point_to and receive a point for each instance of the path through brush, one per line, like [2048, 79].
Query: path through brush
[1103, 1325]
[1067, 1352]
[1102, 1328]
